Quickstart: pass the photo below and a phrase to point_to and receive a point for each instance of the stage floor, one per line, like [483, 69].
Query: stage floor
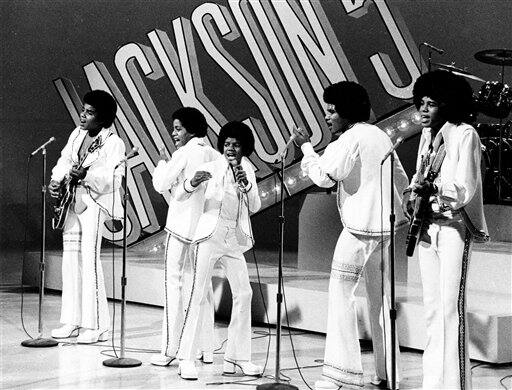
[80, 366]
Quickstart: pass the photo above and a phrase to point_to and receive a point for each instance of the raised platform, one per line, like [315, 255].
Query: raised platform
[489, 296]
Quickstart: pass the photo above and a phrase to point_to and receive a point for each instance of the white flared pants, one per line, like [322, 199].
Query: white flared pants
[353, 255]
[177, 289]
[444, 265]
[84, 301]
[221, 248]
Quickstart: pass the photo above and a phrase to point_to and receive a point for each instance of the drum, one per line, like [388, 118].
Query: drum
[494, 99]
[489, 168]
[486, 130]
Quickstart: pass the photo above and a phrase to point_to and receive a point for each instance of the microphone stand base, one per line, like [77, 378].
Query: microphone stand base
[40, 343]
[276, 386]
[122, 362]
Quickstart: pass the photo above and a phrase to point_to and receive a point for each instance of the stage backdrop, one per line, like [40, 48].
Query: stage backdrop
[263, 62]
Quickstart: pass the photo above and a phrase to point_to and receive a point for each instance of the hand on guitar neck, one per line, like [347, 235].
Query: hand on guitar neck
[426, 188]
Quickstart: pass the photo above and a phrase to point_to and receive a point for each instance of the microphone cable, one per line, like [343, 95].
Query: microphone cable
[242, 382]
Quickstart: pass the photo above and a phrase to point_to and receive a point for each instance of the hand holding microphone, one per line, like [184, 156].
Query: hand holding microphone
[163, 153]
[299, 136]
[238, 171]
[241, 176]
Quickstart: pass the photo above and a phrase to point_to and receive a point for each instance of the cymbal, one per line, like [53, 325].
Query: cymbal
[458, 71]
[501, 57]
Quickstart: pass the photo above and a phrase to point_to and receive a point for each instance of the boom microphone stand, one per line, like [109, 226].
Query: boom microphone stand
[279, 299]
[41, 342]
[121, 361]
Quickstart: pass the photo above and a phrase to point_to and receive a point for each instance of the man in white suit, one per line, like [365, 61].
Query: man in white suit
[227, 187]
[454, 217]
[189, 130]
[352, 161]
[89, 159]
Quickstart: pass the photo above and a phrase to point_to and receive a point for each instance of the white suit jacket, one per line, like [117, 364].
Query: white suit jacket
[182, 216]
[353, 160]
[459, 180]
[212, 193]
[102, 181]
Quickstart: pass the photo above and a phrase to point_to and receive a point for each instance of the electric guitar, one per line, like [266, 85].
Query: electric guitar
[67, 191]
[422, 201]
[418, 217]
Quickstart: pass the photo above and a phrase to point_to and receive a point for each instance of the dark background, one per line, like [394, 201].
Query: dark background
[44, 40]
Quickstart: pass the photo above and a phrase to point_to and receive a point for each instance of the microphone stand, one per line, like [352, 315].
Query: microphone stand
[277, 385]
[121, 361]
[392, 309]
[41, 342]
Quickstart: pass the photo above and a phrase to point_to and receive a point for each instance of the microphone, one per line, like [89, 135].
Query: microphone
[397, 143]
[292, 138]
[426, 44]
[236, 165]
[42, 146]
[132, 153]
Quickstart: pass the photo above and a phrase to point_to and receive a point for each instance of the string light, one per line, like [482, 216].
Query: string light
[389, 131]
[291, 181]
[402, 125]
[416, 118]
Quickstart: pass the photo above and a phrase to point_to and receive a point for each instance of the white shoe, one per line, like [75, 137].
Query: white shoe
[65, 332]
[187, 370]
[326, 385]
[247, 367]
[92, 336]
[161, 360]
[205, 356]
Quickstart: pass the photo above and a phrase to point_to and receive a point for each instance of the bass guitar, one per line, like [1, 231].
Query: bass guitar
[67, 191]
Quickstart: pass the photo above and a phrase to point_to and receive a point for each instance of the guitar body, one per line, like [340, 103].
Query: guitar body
[61, 209]
[68, 192]
[420, 210]
[420, 207]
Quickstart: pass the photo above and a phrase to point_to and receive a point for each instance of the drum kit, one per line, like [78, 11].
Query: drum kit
[494, 99]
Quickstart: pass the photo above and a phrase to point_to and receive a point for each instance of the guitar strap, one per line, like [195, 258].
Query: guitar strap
[478, 235]
[79, 205]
